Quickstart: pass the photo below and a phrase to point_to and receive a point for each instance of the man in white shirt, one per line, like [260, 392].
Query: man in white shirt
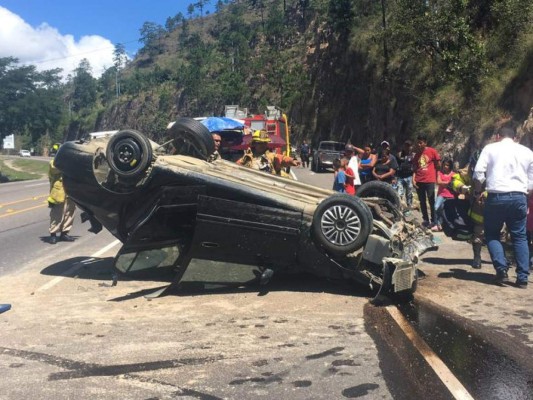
[507, 168]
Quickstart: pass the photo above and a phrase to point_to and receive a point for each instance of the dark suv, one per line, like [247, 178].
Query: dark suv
[168, 204]
[324, 155]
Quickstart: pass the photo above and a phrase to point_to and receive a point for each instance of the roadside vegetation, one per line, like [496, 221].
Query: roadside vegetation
[349, 70]
[12, 170]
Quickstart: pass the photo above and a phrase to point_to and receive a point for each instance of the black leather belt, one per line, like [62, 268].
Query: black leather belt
[504, 194]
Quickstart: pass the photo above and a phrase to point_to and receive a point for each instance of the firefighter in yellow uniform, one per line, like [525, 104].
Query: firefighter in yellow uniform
[61, 207]
[463, 184]
[259, 157]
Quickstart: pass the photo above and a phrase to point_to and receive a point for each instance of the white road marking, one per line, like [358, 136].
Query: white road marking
[455, 387]
[77, 266]
[293, 175]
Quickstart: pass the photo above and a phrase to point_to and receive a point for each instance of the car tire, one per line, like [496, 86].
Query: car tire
[341, 224]
[191, 138]
[129, 153]
[380, 189]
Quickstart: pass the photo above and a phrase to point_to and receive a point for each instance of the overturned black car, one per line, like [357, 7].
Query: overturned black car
[168, 204]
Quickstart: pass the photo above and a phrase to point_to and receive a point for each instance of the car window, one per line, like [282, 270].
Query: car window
[332, 146]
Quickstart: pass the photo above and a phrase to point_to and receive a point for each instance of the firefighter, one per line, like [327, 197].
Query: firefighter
[259, 157]
[462, 184]
[61, 207]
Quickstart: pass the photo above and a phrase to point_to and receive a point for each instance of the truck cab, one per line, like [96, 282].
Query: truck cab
[324, 155]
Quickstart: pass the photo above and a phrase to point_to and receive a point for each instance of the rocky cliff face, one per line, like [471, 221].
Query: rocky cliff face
[526, 131]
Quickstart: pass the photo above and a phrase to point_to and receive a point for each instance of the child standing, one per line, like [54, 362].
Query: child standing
[444, 177]
[340, 177]
[349, 186]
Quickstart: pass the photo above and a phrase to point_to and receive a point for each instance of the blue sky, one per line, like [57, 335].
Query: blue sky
[44, 31]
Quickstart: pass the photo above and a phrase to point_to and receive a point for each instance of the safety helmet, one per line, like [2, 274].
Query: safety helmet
[260, 136]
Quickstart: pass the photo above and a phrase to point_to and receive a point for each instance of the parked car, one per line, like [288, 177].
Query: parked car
[168, 205]
[24, 153]
[324, 155]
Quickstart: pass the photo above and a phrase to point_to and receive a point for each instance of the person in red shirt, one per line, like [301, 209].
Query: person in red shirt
[444, 177]
[426, 163]
[349, 186]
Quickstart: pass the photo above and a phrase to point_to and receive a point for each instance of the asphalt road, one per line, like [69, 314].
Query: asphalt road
[24, 221]
[70, 334]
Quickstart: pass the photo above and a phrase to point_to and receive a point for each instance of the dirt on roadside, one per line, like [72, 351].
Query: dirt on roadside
[449, 281]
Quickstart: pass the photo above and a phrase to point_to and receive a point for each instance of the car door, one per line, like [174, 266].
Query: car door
[163, 233]
[245, 233]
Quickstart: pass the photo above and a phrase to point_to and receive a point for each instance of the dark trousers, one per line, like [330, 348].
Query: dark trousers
[426, 192]
[511, 209]
[305, 159]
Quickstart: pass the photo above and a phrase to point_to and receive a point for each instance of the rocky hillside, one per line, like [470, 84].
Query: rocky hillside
[349, 70]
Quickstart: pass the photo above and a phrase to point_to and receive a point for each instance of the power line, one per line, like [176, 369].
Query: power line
[76, 55]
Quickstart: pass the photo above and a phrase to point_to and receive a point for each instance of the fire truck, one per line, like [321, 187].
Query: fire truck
[273, 121]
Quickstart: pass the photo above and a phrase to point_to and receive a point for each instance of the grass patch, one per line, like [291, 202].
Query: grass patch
[12, 170]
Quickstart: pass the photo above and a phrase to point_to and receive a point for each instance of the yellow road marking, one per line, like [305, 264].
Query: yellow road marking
[21, 211]
[447, 377]
[23, 200]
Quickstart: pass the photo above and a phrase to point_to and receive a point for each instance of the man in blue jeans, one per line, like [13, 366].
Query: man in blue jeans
[507, 168]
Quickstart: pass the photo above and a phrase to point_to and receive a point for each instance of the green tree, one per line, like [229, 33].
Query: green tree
[30, 101]
[340, 16]
[151, 34]
[200, 4]
[84, 91]
[119, 59]
[190, 10]
[442, 32]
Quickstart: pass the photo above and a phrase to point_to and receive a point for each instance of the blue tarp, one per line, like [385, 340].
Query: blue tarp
[217, 124]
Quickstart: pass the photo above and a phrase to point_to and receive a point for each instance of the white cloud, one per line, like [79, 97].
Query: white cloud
[46, 48]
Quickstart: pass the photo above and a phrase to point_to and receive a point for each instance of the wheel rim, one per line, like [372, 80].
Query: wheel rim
[127, 154]
[340, 225]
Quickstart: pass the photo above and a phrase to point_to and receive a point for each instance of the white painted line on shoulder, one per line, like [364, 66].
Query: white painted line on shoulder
[293, 175]
[455, 387]
[76, 267]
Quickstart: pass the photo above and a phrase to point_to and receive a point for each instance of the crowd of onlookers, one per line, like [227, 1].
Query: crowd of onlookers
[411, 168]
[487, 198]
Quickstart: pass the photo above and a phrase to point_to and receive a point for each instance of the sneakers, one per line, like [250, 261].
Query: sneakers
[66, 238]
[53, 239]
[436, 228]
[521, 284]
[501, 277]
[476, 264]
